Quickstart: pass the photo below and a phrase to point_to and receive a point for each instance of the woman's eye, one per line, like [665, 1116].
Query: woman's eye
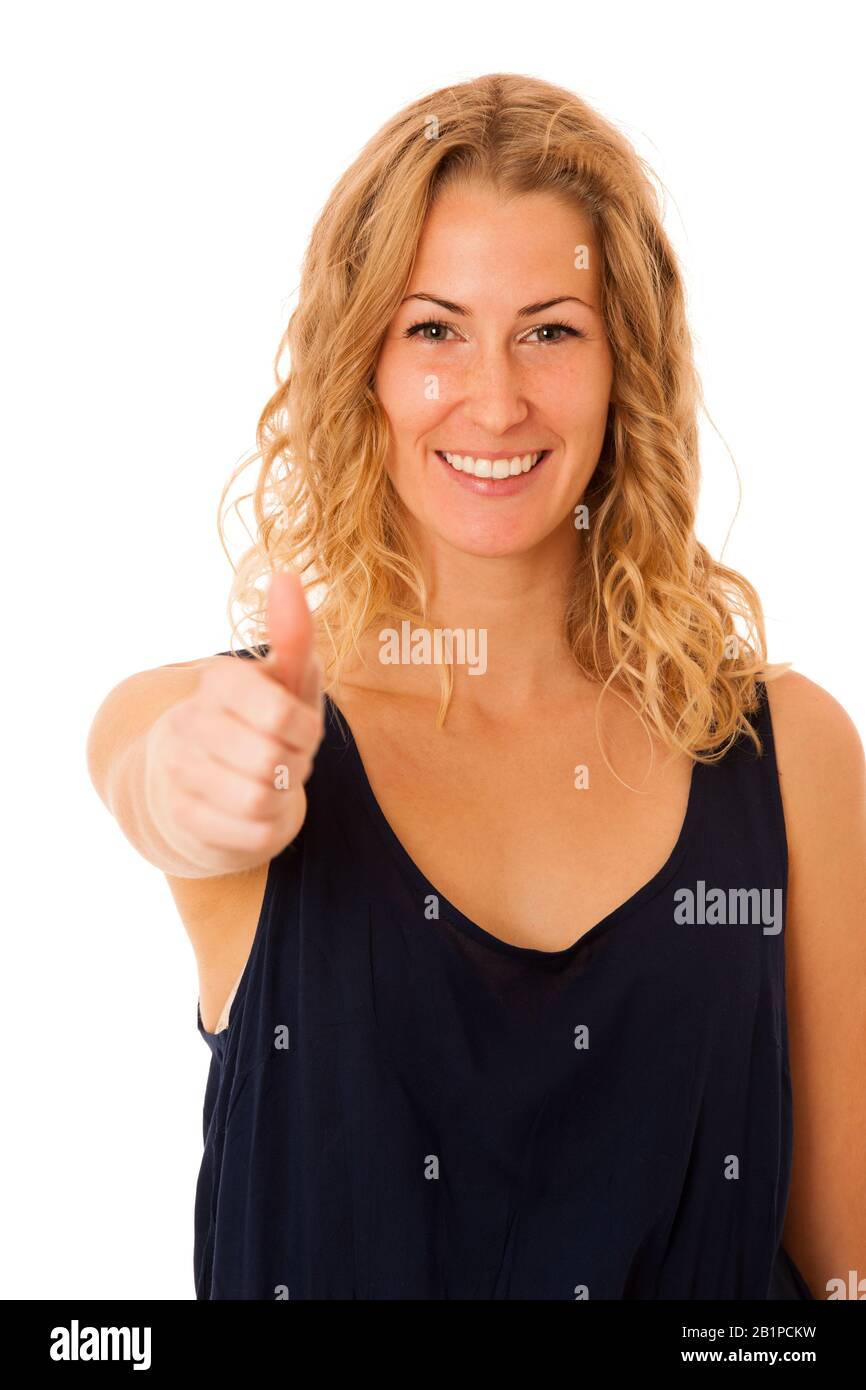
[565, 328]
[416, 330]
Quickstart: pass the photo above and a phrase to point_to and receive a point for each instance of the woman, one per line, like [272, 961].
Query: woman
[492, 935]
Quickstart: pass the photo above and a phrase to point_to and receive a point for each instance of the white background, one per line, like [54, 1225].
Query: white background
[162, 167]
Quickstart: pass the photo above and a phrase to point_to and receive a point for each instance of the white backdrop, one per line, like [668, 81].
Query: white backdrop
[162, 167]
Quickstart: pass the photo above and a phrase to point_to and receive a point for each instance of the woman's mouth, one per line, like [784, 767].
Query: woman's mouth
[498, 468]
[498, 477]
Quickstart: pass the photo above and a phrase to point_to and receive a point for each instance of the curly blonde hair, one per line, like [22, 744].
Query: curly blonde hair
[650, 611]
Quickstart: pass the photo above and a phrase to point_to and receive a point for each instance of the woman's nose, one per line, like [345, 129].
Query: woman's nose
[493, 393]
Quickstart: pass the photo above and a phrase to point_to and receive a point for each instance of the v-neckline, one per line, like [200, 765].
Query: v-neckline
[453, 914]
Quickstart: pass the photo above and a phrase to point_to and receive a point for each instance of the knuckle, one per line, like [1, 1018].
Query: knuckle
[268, 764]
[254, 800]
[182, 762]
[278, 710]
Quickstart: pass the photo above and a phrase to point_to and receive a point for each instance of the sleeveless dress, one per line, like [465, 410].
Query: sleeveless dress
[402, 1106]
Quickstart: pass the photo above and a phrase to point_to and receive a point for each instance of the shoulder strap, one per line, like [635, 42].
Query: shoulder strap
[262, 649]
[765, 767]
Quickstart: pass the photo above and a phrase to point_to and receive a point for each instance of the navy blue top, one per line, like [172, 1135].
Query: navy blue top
[405, 1107]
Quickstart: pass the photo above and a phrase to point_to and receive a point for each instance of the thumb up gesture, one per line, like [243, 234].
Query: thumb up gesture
[226, 767]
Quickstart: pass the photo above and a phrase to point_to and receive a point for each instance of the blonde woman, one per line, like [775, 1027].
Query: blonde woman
[527, 899]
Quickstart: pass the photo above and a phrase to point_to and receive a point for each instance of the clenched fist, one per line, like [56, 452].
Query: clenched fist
[225, 768]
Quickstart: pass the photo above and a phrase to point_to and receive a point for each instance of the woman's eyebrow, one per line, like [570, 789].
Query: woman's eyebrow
[525, 313]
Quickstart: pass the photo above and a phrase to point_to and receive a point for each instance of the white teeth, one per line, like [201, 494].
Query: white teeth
[500, 468]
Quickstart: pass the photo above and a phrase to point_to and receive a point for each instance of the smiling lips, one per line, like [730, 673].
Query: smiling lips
[496, 468]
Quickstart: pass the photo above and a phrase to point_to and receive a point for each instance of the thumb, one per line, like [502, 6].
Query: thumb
[289, 631]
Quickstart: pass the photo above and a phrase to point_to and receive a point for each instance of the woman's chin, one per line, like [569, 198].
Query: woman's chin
[485, 538]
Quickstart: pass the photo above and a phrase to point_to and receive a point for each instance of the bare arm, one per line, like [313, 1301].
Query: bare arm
[185, 757]
[116, 751]
[823, 782]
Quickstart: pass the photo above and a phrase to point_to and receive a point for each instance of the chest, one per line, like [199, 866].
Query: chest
[530, 835]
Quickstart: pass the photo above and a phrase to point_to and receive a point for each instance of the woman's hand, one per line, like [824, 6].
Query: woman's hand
[225, 768]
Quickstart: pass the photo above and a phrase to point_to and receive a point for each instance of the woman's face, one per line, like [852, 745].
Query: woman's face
[478, 362]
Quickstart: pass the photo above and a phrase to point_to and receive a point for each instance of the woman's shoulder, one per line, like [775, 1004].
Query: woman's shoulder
[821, 765]
[819, 750]
[822, 778]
